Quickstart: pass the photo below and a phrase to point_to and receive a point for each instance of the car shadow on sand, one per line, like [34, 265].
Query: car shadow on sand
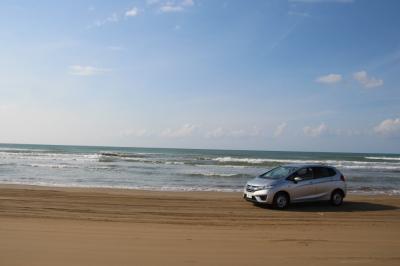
[347, 206]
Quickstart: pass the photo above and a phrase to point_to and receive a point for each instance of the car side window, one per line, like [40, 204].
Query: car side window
[321, 172]
[331, 172]
[304, 173]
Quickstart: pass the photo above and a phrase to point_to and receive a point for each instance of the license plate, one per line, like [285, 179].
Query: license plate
[248, 195]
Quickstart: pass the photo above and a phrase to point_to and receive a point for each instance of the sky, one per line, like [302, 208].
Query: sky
[303, 75]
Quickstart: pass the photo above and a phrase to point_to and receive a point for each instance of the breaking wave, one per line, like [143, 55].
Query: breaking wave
[211, 174]
[393, 166]
[383, 158]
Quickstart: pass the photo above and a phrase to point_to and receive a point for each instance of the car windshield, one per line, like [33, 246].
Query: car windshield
[279, 172]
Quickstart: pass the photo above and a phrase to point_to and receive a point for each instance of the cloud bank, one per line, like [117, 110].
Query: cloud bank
[315, 131]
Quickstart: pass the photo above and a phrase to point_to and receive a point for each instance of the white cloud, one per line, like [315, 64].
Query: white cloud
[79, 70]
[329, 79]
[110, 19]
[175, 6]
[239, 133]
[315, 131]
[169, 8]
[280, 129]
[114, 18]
[133, 12]
[235, 133]
[135, 133]
[348, 132]
[187, 2]
[368, 82]
[388, 127]
[299, 14]
[216, 133]
[184, 131]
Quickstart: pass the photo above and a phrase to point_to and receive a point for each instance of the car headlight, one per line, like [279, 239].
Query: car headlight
[252, 188]
[267, 187]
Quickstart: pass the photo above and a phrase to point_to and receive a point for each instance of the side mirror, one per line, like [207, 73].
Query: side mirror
[297, 179]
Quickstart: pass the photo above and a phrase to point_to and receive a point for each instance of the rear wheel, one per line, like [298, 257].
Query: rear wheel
[281, 200]
[337, 198]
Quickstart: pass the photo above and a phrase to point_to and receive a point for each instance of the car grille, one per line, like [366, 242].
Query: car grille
[250, 188]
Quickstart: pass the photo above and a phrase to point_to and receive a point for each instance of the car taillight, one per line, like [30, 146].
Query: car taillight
[342, 178]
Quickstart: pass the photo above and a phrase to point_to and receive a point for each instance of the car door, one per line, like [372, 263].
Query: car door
[323, 181]
[302, 190]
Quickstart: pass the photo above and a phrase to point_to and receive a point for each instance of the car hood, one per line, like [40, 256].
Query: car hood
[262, 182]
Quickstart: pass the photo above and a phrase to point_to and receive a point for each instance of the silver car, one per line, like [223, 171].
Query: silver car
[297, 183]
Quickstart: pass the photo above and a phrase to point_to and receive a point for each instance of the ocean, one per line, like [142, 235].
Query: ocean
[181, 169]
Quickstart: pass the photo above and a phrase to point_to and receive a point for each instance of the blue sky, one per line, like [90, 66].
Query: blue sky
[308, 75]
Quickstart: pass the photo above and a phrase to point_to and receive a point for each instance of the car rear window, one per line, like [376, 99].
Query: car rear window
[320, 172]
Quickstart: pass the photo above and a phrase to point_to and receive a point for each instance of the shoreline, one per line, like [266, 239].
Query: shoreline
[81, 226]
[356, 193]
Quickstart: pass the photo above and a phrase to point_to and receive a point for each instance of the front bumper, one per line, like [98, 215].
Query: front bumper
[260, 196]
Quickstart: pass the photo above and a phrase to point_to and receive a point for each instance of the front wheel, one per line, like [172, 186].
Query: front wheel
[281, 201]
[337, 198]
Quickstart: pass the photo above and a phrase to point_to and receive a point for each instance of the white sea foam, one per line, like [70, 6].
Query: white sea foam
[49, 156]
[264, 160]
[218, 174]
[133, 187]
[376, 167]
[51, 165]
[394, 192]
[224, 166]
[243, 160]
[174, 163]
[384, 158]
[17, 149]
[337, 163]
[213, 174]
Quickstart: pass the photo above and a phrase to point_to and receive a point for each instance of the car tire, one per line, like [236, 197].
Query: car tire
[281, 201]
[337, 198]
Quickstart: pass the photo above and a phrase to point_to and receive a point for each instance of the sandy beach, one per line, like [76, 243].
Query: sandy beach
[70, 226]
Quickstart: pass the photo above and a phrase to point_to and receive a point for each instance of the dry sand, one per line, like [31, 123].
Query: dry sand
[63, 226]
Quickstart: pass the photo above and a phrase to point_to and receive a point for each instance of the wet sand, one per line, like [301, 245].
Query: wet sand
[69, 226]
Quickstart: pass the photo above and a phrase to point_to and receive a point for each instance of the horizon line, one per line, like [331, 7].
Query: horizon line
[192, 148]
